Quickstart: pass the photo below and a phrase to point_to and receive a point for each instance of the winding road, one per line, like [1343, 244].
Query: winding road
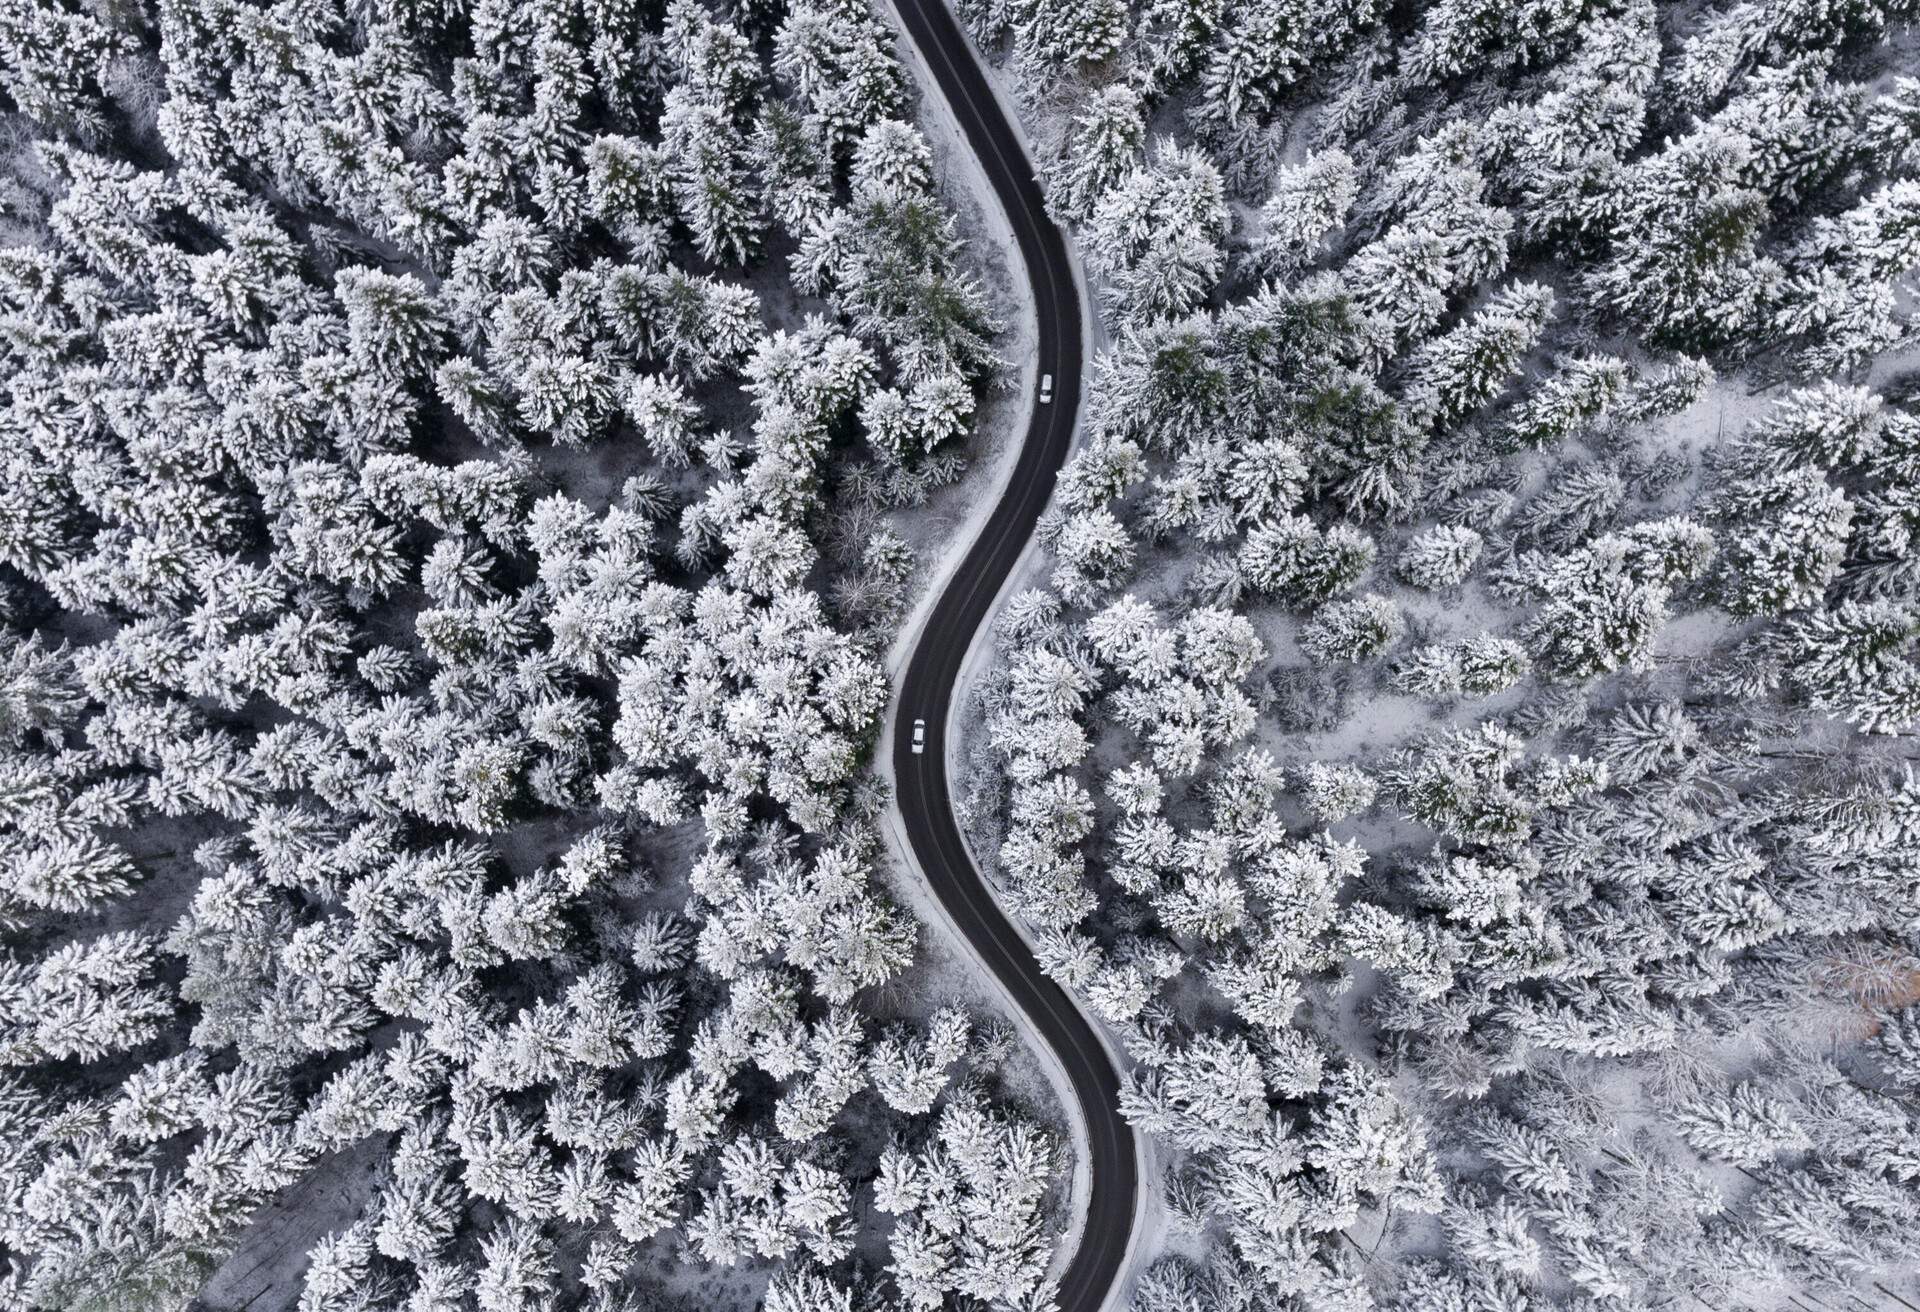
[933, 669]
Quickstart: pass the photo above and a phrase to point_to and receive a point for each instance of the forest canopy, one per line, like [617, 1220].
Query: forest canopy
[463, 467]
[446, 552]
[1459, 736]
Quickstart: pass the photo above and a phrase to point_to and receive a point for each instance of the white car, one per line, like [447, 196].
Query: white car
[1046, 389]
[919, 737]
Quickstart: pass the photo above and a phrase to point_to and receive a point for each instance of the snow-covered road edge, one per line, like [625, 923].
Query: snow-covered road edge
[960, 167]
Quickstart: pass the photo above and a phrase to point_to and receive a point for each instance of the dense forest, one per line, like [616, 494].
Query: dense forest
[446, 521]
[455, 502]
[1460, 732]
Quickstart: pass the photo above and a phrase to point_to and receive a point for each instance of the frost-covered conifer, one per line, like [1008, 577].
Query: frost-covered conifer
[1786, 540]
[1352, 630]
[1155, 237]
[1853, 661]
[1309, 202]
[1079, 31]
[1455, 374]
[1336, 792]
[1439, 557]
[1578, 395]
[1685, 264]
[1745, 1127]
[1288, 558]
[1102, 146]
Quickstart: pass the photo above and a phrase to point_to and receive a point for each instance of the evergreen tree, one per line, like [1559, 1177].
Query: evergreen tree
[1744, 1127]
[1310, 201]
[1155, 237]
[1454, 375]
[1685, 264]
[1440, 557]
[1352, 630]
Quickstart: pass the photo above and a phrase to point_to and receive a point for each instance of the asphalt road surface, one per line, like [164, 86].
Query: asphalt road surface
[934, 668]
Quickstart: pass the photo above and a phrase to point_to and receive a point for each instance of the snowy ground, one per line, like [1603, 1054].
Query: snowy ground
[266, 1269]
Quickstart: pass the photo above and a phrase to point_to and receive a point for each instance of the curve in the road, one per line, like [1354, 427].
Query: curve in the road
[933, 670]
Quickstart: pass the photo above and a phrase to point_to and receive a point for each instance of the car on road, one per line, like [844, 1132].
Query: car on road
[919, 737]
[1046, 389]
